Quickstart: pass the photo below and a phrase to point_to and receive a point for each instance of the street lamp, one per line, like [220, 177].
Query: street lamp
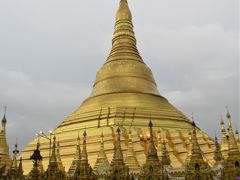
[43, 135]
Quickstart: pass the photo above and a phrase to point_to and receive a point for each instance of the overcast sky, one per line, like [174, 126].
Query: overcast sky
[50, 52]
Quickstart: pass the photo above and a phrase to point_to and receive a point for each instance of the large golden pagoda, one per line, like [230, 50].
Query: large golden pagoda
[124, 95]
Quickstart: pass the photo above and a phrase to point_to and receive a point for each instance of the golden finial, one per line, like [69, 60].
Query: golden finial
[4, 120]
[123, 12]
[228, 113]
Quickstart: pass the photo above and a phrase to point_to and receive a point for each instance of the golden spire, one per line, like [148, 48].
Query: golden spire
[217, 154]
[237, 139]
[124, 70]
[13, 172]
[123, 12]
[53, 171]
[163, 154]
[231, 163]
[118, 169]
[159, 143]
[36, 173]
[53, 158]
[14, 161]
[152, 167]
[224, 143]
[131, 160]
[118, 155]
[124, 41]
[5, 159]
[85, 168]
[76, 160]
[84, 155]
[194, 151]
[20, 169]
[102, 162]
[152, 151]
[165, 158]
[59, 160]
[232, 142]
[4, 119]
[195, 164]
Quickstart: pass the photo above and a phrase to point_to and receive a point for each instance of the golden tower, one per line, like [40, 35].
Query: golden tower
[124, 95]
[5, 160]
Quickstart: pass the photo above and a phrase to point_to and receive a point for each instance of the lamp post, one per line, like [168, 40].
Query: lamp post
[43, 135]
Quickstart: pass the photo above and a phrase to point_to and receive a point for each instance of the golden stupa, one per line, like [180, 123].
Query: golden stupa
[124, 95]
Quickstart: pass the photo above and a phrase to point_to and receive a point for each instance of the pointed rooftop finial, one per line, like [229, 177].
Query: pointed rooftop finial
[228, 115]
[75, 166]
[84, 155]
[102, 160]
[4, 119]
[123, 12]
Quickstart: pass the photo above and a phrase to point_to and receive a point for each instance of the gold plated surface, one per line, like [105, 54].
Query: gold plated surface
[124, 94]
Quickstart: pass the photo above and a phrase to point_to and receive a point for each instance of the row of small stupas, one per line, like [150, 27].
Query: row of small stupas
[157, 165]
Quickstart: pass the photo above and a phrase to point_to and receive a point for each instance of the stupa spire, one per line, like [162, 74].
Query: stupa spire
[36, 157]
[131, 160]
[15, 153]
[20, 169]
[118, 155]
[232, 141]
[237, 139]
[86, 172]
[217, 153]
[224, 143]
[5, 159]
[152, 167]
[4, 119]
[84, 155]
[13, 172]
[102, 160]
[165, 159]
[59, 160]
[152, 151]
[196, 167]
[124, 70]
[75, 166]
[124, 41]
[118, 168]
[53, 171]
